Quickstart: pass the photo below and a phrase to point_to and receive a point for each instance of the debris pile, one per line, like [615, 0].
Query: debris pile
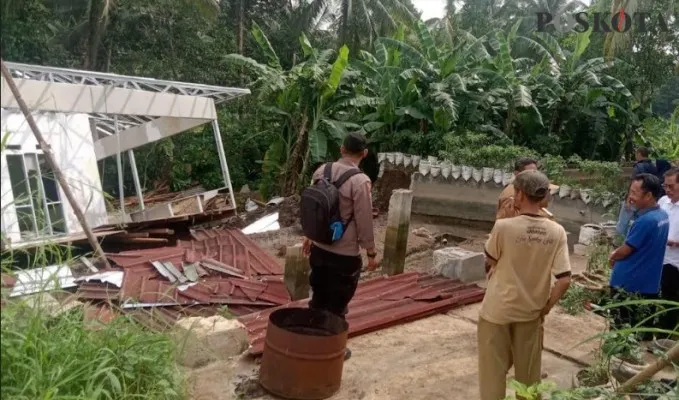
[289, 211]
[216, 269]
[160, 194]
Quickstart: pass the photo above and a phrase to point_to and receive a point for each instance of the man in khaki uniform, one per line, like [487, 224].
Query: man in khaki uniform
[522, 254]
[505, 205]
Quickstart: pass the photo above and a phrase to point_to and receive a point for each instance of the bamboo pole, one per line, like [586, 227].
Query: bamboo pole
[47, 152]
[647, 373]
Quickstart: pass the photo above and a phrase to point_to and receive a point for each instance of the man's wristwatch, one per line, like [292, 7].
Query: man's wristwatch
[371, 255]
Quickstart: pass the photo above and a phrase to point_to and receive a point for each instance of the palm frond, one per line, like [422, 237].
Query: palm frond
[426, 40]
[266, 47]
[409, 51]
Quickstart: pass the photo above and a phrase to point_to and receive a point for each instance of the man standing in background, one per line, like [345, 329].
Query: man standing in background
[506, 208]
[505, 204]
[638, 263]
[669, 284]
[643, 164]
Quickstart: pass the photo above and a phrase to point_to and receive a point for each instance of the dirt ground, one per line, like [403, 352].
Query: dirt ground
[426, 359]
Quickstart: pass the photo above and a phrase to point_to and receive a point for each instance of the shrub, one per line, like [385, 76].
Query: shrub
[45, 357]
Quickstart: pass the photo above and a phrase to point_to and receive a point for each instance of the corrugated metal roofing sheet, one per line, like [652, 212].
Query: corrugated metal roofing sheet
[232, 247]
[156, 276]
[383, 302]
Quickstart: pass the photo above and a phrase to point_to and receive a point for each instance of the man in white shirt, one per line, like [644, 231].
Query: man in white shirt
[669, 286]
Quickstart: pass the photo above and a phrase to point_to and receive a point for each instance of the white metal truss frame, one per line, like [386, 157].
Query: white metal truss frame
[116, 123]
[104, 123]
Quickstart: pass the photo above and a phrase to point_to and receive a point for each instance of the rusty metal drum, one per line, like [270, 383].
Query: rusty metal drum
[303, 354]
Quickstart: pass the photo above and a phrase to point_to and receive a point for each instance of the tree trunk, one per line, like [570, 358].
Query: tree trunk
[295, 162]
[241, 25]
[344, 28]
[553, 122]
[97, 22]
[508, 122]
[647, 373]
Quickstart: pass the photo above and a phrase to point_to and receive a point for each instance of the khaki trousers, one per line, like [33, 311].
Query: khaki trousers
[500, 346]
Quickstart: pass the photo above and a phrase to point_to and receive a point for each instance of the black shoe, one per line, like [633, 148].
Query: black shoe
[347, 354]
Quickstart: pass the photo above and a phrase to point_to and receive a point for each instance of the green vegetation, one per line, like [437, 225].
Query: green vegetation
[49, 351]
[595, 381]
[61, 358]
[320, 68]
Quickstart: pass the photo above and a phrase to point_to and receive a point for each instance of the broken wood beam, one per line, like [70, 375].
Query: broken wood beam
[132, 235]
[118, 239]
[221, 267]
[647, 373]
[159, 231]
[89, 264]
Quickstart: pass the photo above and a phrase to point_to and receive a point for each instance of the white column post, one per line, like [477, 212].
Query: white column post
[135, 178]
[222, 161]
[119, 162]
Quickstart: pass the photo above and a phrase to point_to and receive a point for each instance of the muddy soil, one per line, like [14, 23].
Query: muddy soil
[390, 181]
[288, 212]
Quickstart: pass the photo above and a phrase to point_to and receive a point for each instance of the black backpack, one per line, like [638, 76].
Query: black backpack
[320, 206]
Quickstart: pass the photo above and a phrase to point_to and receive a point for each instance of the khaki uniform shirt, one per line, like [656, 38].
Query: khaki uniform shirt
[528, 251]
[505, 204]
[355, 201]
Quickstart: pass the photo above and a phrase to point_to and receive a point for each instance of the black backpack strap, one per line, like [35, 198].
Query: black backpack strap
[345, 177]
[327, 172]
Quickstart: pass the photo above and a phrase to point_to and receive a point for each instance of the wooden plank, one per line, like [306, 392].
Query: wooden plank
[223, 268]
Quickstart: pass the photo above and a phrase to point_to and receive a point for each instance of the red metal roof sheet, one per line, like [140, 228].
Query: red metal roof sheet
[146, 273]
[232, 247]
[98, 291]
[383, 302]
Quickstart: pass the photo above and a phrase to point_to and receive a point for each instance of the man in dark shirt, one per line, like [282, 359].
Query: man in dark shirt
[644, 164]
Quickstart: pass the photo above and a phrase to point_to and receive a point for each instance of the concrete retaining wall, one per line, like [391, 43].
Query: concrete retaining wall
[477, 201]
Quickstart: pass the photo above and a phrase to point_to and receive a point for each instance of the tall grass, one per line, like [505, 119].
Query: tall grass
[58, 357]
[45, 357]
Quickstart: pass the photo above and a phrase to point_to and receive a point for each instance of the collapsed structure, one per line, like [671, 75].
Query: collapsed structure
[87, 117]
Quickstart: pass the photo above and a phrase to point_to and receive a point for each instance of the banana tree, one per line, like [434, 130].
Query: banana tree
[411, 91]
[586, 104]
[299, 103]
[513, 78]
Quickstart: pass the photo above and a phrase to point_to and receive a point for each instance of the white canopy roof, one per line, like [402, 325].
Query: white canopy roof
[134, 100]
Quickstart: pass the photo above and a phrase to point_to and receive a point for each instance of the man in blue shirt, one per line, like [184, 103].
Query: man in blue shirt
[637, 264]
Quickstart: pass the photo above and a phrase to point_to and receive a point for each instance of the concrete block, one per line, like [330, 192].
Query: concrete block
[583, 250]
[297, 271]
[572, 240]
[201, 341]
[458, 263]
[396, 235]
